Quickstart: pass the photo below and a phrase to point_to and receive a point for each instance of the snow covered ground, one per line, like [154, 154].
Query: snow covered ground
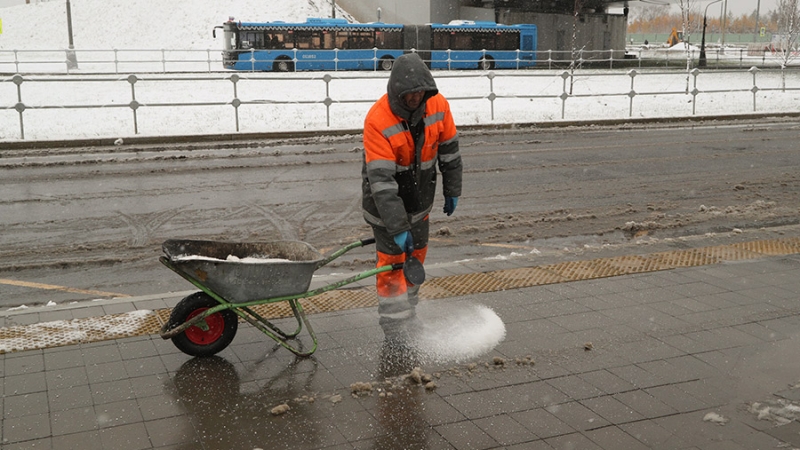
[99, 107]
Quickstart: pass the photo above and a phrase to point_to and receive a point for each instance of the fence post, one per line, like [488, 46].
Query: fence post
[754, 70]
[134, 104]
[208, 58]
[549, 58]
[564, 96]
[328, 102]
[163, 61]
[695, 72]
[116, 61]
[235, 102]
[632, 93]
[491, 95]
[336, 60]
[19, 107]
[16, 62]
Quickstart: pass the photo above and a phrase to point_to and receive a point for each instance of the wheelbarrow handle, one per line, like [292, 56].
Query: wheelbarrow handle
[342, 251]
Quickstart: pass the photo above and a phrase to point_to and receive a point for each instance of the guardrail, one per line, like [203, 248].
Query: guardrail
[120, 61]
[117, 106]
[716, 57]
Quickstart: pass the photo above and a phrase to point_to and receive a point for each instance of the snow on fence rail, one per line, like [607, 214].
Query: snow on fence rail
[81, 106]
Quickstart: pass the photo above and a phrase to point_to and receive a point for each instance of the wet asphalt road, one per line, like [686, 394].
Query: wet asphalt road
[85, 223]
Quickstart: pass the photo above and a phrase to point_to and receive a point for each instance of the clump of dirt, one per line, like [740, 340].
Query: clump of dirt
[283, 408]
[444, 231]
[305, 399]
[526, 361]
[417, 376]
[360, 388]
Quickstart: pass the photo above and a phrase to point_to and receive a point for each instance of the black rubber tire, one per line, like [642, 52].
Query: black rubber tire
[195, 341]
[283, 65]
[486, 63]
[386, 63]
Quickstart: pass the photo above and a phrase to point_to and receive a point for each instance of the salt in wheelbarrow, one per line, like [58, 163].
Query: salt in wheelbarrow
[235, 277]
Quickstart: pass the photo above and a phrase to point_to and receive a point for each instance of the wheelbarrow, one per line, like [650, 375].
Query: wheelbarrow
[235, 277]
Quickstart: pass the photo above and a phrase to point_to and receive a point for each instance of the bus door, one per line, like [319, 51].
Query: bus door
[420, 38]
[527, 44]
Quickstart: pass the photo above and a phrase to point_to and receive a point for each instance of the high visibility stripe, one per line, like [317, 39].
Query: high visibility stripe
[404, 314]
[374, 220]
[393, 130]
[452, 139]
[383, 186]
[433, 118]
[381, 164]
[448, 157]
[427, 165]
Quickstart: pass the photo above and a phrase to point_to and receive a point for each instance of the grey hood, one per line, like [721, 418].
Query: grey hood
[410, 74]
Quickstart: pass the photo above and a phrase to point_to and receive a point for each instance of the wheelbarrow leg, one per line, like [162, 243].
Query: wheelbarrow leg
[278, 336]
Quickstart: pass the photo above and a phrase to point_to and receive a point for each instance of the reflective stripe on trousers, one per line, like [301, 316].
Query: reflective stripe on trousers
[396, 297]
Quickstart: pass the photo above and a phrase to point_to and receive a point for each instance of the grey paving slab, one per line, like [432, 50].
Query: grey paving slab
[668, 348]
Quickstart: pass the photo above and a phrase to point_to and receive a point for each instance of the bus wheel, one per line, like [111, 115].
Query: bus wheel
[283, 65]
[386, 63]
[486, 63]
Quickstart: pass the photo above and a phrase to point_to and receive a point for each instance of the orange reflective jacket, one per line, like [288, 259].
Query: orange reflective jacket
[399, 178]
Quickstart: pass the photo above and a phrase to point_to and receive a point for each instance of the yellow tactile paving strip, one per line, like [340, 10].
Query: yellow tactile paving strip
[52, 334]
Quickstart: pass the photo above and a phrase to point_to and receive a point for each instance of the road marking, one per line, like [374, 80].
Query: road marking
[54, 287]
[511, 246]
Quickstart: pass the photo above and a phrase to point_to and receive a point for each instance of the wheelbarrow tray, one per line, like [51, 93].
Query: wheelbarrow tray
[269, 269]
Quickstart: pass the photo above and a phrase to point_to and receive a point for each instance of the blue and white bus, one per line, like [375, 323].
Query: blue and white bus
[335, 44]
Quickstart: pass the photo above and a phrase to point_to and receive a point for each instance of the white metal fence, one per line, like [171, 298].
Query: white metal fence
[81, 106]
[192, 60]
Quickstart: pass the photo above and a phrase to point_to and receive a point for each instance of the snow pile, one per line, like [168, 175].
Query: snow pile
[152, 24]
[68, 332]
[253, 259]
[779, 412]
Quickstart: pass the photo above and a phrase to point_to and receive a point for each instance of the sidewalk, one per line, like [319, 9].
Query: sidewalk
[693, 357]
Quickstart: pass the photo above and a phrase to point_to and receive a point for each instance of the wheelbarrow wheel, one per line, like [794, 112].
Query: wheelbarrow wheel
[203, 339]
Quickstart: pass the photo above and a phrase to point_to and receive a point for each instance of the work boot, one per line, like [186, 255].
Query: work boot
[399, 354]
[397, 358]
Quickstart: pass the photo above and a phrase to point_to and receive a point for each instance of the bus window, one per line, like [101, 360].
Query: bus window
[441, 41]
[342, 39]
[307, 39]
[253, 39]
[483, 41]
[461, 41]
[508, 41]
[328, 40]
[391, 40]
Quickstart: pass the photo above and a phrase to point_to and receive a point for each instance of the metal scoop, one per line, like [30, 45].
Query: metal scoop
[413, 270]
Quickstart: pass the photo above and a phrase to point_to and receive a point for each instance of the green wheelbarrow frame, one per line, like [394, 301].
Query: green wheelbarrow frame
[243, 308]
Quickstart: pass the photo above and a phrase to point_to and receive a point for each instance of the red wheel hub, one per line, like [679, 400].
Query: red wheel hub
[199, 336]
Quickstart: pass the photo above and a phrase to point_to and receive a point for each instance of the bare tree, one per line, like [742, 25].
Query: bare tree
[785, 42]
[687, 16]
[573, 63]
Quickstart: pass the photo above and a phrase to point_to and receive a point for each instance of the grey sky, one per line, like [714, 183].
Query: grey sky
[737, 7]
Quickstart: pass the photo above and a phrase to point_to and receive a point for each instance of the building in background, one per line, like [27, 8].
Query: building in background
[594, 28]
